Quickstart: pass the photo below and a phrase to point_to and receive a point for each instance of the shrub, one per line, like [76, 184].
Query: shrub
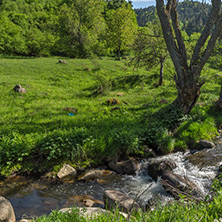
[191, 131]
[165, 141]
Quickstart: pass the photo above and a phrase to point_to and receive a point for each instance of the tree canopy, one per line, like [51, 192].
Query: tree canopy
[192, 15]
[121, 28]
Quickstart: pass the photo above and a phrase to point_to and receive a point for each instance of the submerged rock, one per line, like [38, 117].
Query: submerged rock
[207, 157]
[83, 201]
[117, 199]
[130, 166]
[97, 175]
[6, 211]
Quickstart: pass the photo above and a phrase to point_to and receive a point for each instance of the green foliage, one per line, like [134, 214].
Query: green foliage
[14, 148]
[192, 15]
[115, 4]
[164, 141]
[12, 38]
[145, 15]
[150, 48]
[121, 28]
[80, 25]
[63, 146]
[159, 128]
[35, 127]
[72, 216]
[192, 130]
[216, 61]
[103, 83]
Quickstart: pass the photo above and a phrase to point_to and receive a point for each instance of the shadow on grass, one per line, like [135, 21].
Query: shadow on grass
[95, 138]
[16, 57]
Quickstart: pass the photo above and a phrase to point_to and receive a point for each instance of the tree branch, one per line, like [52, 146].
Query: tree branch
[179, 38]
[169, 37]
[211, 44]
[212, 18]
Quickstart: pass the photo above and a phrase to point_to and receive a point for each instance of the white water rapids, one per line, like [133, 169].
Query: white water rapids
[36, 198]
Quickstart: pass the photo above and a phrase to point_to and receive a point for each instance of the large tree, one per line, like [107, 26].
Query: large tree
[188, 75]
[121, 27]
[80, 22]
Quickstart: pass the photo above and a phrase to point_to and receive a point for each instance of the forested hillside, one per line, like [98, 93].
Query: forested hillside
[77, 28]
[192, 15]
[80, 28]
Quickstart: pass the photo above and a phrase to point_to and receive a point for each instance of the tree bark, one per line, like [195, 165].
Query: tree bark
[118, 49]
[118, 53]
[219, 101]
[187, 77]
[187, 96]
[161, 71]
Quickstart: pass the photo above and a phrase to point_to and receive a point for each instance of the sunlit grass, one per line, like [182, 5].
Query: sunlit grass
[39, 114]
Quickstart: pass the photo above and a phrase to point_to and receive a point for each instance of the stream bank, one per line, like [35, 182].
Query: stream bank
[33, 198]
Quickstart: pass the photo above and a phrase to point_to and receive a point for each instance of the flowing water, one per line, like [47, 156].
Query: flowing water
[34, 198]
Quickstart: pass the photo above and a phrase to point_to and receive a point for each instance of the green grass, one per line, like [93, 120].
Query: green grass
[36, 134]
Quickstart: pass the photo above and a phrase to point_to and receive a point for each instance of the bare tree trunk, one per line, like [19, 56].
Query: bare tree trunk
[219, 101]
[119, 48]
[118, 53]
[187, 77]
[161, 71]
[187, 96]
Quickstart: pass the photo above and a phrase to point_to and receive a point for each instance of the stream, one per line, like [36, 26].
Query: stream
[33, 198]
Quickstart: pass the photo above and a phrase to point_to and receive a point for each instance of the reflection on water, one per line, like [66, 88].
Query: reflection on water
[35, 198]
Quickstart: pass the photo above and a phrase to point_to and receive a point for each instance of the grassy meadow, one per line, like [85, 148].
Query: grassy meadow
[38, 133]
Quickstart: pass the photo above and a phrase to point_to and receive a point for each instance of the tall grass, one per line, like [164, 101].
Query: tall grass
[35, 128]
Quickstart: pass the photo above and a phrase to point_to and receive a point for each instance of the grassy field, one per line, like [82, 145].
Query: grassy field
[38, 132]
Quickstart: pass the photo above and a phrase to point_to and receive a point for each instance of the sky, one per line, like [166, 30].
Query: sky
[143, 3]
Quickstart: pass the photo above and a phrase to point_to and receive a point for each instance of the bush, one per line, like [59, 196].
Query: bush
[193, 130]
[165, 141]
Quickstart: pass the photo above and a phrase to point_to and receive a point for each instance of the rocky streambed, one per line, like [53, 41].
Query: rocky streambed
[163, 178]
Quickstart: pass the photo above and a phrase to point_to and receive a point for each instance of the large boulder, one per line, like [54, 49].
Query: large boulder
[117, 199]
[130, 166]
[66, 171]
[157, 167]
[178, 185]
[88, 212]
[92, 212]
[204, 144]
[6, 211]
